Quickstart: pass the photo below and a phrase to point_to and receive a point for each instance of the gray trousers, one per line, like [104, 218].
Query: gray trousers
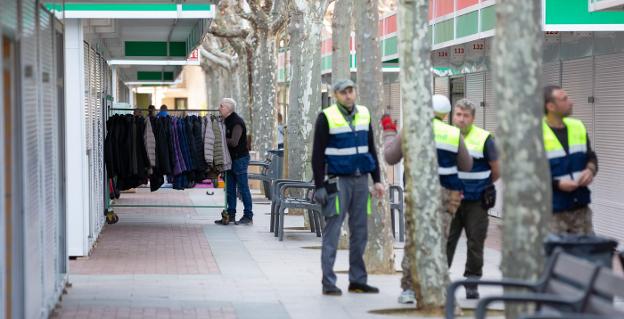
[353, 199]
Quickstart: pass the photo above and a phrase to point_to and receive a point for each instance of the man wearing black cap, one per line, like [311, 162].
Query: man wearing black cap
[343, 156]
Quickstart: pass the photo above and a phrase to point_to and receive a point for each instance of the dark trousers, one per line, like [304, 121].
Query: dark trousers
[237, 178]
[474, 219]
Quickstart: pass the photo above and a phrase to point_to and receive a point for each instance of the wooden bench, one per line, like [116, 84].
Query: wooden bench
[564, 284]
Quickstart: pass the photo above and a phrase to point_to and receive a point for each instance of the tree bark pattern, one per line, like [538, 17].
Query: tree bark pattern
[424, 242]
[379, 255]
[525, 173]
[306, 22]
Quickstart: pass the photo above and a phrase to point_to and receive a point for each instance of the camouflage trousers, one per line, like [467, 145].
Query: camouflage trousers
[450, 203]
[577, 221]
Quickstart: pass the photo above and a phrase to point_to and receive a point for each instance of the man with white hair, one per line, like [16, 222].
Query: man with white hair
[236, 135]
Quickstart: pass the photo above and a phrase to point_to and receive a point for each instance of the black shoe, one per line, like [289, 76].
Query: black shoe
[226, 219]
[472, 292]
[362, 288]
[245, 221]
[332, 291]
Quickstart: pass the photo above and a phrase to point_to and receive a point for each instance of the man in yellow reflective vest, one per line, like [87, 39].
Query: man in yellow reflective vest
[343, 156]
[573, 164]
[479, 193]
[452, 157]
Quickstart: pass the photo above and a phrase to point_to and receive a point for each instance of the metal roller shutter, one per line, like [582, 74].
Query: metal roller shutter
[395, 101]
[386, 96]
[551, 74]
[49, 166]
[90, 159]
[474, 91]
[577, 80]
[608, 135]
[441, 85]
[30, 113]
[98, 148]
[490, 104]
[8, 15]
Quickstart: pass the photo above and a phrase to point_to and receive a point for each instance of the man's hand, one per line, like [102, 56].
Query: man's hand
[379, 190]
[586, 178]
[453, 201]
[568, 185]
[320, 196]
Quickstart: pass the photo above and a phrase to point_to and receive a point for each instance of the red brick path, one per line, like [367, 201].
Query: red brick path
[112, 312]
[149, 249]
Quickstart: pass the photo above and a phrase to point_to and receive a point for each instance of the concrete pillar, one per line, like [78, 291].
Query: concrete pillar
[77, 182]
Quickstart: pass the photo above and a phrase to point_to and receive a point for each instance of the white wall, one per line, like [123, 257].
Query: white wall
[76, 156]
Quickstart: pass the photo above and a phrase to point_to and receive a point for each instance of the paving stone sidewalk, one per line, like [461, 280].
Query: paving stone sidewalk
[176, 263]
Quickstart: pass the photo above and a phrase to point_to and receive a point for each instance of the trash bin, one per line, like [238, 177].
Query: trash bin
[595, 249]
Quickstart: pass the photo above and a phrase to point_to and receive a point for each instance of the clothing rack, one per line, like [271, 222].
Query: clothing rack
[157, 110]
[107, 198]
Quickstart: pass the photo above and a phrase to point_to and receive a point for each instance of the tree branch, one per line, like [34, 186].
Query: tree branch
[227, 33]
[212, 58]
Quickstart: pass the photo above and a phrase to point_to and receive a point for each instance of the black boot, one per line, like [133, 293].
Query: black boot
[226, 219]
[362, 288]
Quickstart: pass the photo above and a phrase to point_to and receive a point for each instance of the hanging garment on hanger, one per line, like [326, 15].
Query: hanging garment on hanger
[227, 159]
[209, 141]
[150, 141]
[219, 157]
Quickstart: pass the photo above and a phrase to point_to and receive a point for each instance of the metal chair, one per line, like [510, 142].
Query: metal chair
[398, 207]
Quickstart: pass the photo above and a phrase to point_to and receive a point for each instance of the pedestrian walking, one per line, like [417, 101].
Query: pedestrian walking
[452, 156]
[236, 178]
[343, 156]
[479, 193]
[573, 164]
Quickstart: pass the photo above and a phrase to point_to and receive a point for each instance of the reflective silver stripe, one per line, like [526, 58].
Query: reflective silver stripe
[347, 129]
[447, 147]
[555, 154]
[563, 178]
[476, 154]
[341, 129]
[447, 170]
[340, 151]
[575, 176]
[578, 148]
[474, 175]
[346, 151]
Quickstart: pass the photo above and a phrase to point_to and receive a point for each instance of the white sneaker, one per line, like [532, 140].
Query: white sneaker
[407, 297]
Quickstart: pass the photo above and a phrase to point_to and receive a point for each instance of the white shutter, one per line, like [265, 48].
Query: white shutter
[577, 80]
[474, 92]
[441, 85]
[30, 114]
[607, 188]
[395, 101]
[490, 104]
[551, 73]
[8, 15]
[50, 162]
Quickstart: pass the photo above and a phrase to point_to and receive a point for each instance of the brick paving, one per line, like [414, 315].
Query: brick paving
[124, 312]
[149, 249]
[151, 240]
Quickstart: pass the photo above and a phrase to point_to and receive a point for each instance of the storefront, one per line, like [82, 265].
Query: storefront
[584, 53]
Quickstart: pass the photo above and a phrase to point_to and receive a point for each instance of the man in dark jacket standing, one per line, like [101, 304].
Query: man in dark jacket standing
[236, 133]
[343, 157]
